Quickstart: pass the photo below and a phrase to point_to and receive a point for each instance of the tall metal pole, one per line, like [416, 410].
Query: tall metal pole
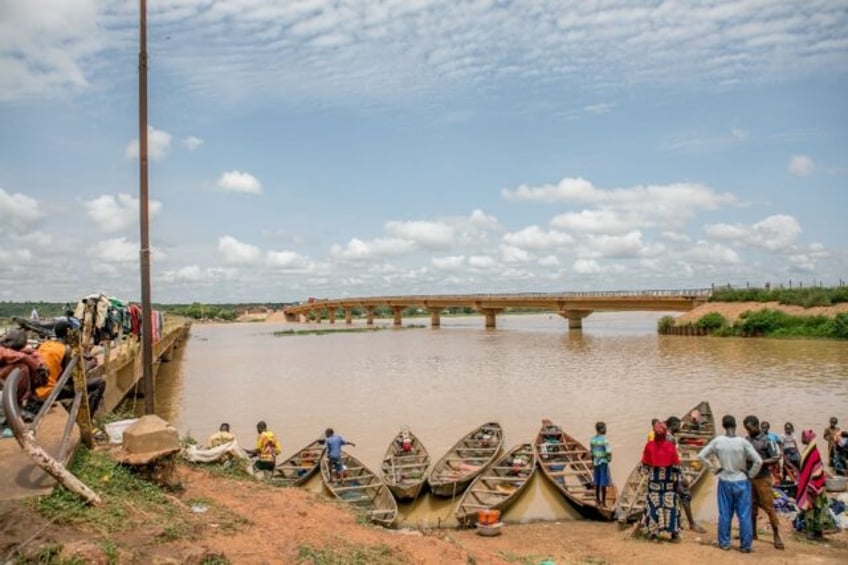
[146, 309]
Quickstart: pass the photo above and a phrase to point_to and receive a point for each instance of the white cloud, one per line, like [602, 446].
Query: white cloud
[357, 249]
[549, 261]
[115, 214]
[625, 246]
[15, 256]
[739, 134]
[774, 233]
[801, 165]
[44, 47]
[671, 202]
[586, 267]
[480, 219]
[197, 274]
[481, 262]
[237, 253]
[18, 210]
[287, 260]
[158, 145]
[191, 142]
[712, 254]
[532, 237]
[116, 250]
[430, 235]
[454, 263]
[237, 181]
[598, 221]
[512, 254]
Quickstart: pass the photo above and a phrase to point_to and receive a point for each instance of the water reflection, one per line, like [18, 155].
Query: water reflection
[445, 382]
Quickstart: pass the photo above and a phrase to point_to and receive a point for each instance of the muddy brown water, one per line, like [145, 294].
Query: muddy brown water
[443, 383]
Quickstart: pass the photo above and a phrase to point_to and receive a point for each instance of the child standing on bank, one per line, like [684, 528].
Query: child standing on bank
[601, 457]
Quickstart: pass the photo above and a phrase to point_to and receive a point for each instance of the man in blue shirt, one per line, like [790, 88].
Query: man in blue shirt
[334, 445]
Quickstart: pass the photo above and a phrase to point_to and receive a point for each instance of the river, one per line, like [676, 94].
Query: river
[444, 382]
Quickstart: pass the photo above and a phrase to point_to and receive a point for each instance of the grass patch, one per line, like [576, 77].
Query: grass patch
[349, 554]
[128, 501]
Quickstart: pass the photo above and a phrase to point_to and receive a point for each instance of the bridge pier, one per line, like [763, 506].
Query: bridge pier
[435, 317]
[490, 314]
[331, 314]
[348, 316]
[396, 312]
[575, 318]
[369, 315]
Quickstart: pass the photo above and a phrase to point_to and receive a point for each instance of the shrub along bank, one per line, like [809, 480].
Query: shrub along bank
[761, 323]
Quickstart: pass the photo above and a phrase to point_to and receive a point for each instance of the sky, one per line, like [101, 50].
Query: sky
[342, 148]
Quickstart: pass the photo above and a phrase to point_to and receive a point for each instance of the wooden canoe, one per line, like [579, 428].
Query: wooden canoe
[465, 460]
[298, 468]
[690, 440]
[362, 489]
[567, 464]
[405, 471]
[500, 484]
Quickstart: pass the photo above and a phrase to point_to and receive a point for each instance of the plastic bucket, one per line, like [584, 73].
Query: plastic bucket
[488, 517]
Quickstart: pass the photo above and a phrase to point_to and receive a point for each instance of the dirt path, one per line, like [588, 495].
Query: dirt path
[255, 524]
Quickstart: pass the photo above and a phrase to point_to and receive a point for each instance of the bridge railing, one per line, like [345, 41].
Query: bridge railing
[653, 293]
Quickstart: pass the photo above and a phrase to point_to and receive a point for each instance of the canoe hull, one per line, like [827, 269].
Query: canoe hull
[500, 485]
[361, 489]
[467, 459]
[300, 467]
[405, 472]
[631, 502]
[567, 464]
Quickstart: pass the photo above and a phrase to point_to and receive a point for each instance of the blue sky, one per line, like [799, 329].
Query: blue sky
[350, 148]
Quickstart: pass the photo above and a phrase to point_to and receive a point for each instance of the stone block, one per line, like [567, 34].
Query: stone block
[149, 435]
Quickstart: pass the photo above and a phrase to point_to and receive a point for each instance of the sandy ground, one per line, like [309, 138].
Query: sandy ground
[256, 524]
[732, 310]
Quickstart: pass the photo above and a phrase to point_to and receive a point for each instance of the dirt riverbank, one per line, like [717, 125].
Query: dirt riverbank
[732, 310]
[246, 522]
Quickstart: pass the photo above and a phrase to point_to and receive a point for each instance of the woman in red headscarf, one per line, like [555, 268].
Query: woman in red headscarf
[662, 463]
[811, 498]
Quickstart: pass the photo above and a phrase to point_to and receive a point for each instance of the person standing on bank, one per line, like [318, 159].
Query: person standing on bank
[334, 444]
[267, 449]
[601, 457]
[812, 498]
[761, 496]
[829, 436]
[662, 511]
[734, 488]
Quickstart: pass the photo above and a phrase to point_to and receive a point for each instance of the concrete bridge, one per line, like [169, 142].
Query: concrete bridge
[574, 306]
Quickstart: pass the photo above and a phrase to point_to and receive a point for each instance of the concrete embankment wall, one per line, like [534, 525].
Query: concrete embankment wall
[122, 366]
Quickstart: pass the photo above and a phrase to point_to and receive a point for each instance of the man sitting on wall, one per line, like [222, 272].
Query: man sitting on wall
[56, 354]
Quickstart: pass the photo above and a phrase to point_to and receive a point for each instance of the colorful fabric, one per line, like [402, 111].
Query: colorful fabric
[817, 518]
[662, 508]
[600, 448]
[601, 475]
[660, 452]
[268, 446]
[811, 479]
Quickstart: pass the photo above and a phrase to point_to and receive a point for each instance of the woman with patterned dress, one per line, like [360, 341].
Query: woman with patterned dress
[812, 500]
[662, 505]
